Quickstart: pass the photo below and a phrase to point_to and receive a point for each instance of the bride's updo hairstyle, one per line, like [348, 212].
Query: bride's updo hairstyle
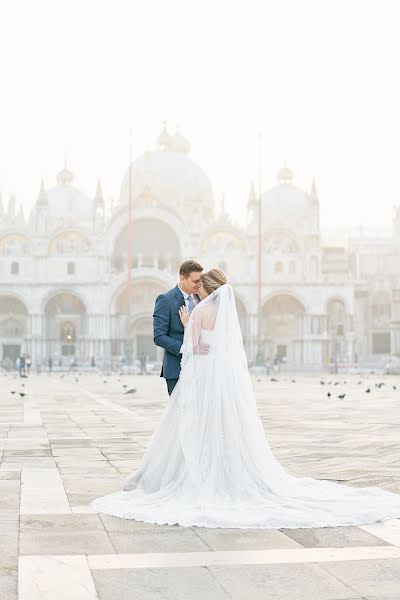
[213, 279]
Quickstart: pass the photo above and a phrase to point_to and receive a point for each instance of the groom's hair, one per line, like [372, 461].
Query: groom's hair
[188, 267]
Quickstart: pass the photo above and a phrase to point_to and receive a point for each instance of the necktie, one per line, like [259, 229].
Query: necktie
[191, 303]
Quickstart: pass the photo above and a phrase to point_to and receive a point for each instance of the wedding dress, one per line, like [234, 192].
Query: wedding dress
[208, 462]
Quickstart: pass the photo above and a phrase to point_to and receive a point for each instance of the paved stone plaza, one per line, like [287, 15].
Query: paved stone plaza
[73, 438]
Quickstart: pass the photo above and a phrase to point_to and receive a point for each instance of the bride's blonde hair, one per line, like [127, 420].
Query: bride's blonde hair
[213, 279]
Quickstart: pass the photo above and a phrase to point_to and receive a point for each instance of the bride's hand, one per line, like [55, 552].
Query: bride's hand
[184, 315]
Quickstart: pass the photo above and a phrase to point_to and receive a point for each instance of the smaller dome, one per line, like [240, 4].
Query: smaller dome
[67, 203]
[284, 174]
[65, 177]
[180, 143]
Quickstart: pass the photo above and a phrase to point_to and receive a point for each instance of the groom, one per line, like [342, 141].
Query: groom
[168, 329]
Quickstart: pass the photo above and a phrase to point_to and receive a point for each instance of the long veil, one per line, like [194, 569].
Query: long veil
[217, 402]
[209, 463]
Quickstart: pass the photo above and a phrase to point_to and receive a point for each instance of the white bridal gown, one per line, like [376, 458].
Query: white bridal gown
[208, 462]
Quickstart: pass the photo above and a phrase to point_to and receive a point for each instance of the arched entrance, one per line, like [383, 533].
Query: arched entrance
[141, 334]
[154, 244]
[134, 324]
[337, 329]
[13, 329]
[282, 329]
[65, 328]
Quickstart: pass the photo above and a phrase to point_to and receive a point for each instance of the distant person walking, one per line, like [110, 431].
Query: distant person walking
[22, 366]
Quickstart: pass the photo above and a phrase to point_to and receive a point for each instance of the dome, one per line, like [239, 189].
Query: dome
[285, 204]
[66, 203]
[170, 179]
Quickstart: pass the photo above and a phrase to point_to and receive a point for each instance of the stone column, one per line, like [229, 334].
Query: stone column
[350, 346]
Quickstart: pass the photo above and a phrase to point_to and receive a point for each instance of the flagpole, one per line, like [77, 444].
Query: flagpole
[259, 357]
[130, 228]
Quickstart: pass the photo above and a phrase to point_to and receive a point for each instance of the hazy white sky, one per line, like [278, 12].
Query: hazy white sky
[318, 78]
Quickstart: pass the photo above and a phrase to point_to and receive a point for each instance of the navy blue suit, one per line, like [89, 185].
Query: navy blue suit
[168, 333]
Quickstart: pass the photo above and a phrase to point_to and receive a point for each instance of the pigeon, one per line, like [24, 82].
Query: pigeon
[329, 394]
[105, 381]
[358, 382]
[322, 382]
[368, 391]
[125, 385]
[395, 387]
[341, 396]
[131, 391]
[13, 392]
[22, 394]
[293, 381]
[336, 383]
[273, 379]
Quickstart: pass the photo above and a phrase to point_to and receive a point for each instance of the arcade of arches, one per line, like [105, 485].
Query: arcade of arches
[133, 329]
[13, 328]
[66, 331]
[302, 340]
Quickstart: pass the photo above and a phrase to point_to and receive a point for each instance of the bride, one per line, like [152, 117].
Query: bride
[209, 464]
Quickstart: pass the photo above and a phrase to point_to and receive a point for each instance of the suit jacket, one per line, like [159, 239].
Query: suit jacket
[168, 331]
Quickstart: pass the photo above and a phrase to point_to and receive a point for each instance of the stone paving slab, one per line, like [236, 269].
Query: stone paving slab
[69, 441]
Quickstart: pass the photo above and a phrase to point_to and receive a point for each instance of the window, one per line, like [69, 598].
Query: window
[71, 268]
[14, 268]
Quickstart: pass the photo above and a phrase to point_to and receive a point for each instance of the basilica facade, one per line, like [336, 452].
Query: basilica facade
[66, 293]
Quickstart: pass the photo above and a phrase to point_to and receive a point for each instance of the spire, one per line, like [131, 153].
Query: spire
[42, 197]
[99, 198]
[164, 139]
[313, 191]
[252, 200]
[20, 220]
[223, 212]
[11, 208]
